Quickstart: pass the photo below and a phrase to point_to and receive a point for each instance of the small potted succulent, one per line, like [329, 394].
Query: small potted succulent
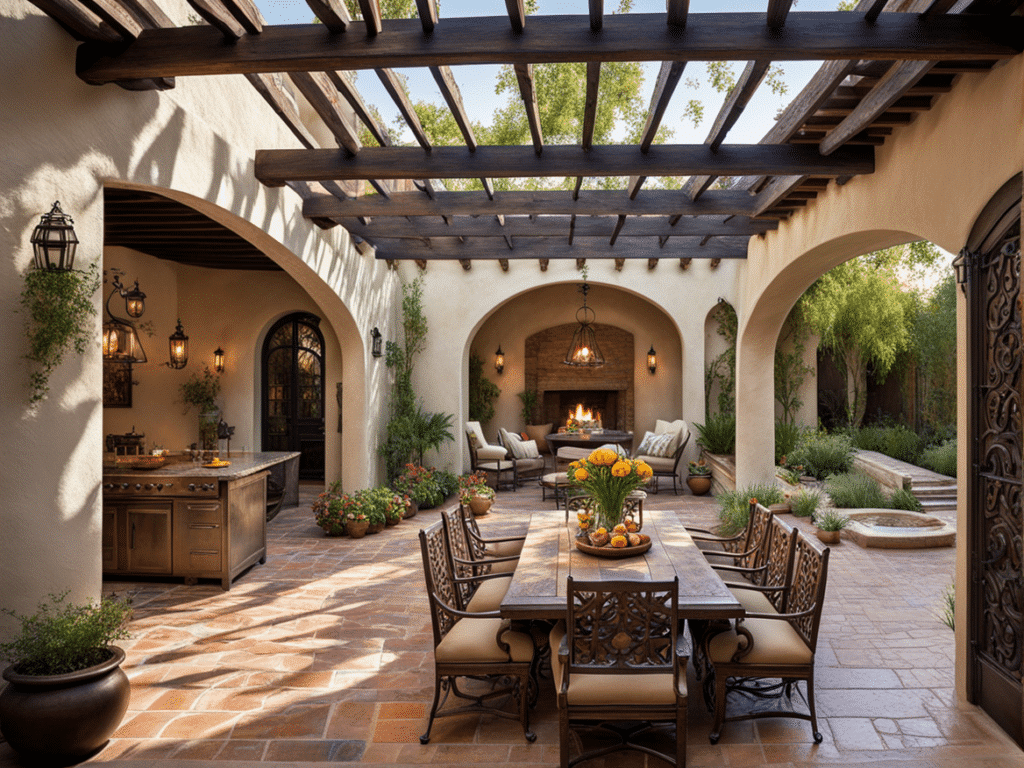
[475, 493]
[829, 524]
[66, 691]
[698, 477]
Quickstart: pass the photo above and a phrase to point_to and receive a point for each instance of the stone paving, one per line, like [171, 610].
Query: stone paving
[324, 654]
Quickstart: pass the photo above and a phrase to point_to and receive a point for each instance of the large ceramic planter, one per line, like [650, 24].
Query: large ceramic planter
[480, 505]
[698, 484]
[61, 718]
[828, 537]
[357, 528]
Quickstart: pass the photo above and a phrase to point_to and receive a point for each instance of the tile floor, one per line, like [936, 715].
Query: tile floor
[323, 655]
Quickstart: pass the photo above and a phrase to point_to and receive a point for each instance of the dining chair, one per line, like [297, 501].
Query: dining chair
[741, 546]
[481, 582]
[472, 645]
[506, 546]
[621, 660]
[769, 645]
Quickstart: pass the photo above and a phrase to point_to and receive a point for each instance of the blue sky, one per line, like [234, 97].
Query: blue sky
[477, 82]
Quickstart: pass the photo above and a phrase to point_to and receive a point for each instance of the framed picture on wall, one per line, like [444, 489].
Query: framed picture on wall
[117, 385]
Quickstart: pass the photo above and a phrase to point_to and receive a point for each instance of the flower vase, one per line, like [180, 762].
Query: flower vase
[357, 528]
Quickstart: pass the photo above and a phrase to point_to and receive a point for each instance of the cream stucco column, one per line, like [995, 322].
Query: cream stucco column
[755, 405]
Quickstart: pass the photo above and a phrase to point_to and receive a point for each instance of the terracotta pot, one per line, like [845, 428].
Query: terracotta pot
[828, 537]
[375, 527]
[699, 484]
[62, 718]
[411, 509]
[357, 528]
[480, 505]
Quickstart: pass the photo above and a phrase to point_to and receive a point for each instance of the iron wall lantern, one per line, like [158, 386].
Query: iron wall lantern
[121, 343]
[962, 268]
[652, 360]
[377, 343]
[218, 360]
[499, 360]
[178, 345]
[54, 240]
[134, 301]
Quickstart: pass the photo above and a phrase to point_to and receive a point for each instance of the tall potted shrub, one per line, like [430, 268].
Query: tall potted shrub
[66, 690]
[201, 390]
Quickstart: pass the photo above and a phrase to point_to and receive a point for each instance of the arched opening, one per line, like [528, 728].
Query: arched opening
[293, 368]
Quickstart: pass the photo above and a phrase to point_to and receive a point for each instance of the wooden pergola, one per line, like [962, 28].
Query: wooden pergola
[884, 62]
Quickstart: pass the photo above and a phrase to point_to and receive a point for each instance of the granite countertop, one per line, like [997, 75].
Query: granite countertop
[180, 465]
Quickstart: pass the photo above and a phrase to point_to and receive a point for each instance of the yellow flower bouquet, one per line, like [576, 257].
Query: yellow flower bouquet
[608, 478]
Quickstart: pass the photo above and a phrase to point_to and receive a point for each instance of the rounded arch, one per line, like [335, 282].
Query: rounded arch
[317, 284]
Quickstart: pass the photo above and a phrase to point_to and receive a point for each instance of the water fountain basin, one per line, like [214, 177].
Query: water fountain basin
[896, 529]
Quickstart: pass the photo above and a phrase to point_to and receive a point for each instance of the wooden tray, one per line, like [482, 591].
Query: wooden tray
[612, 552]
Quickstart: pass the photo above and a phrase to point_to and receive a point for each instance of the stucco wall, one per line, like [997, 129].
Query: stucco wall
[64, 140]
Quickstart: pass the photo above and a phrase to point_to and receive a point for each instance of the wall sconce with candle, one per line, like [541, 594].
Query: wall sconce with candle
[178, 345]
[652, 360]
[499, 360]
[218, 360]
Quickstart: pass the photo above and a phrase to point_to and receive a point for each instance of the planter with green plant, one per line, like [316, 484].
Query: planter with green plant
[66, 690]
[475, 493]
[717, 435]
[698, 478]
[829, 524]
[58, 318]
[200, 390]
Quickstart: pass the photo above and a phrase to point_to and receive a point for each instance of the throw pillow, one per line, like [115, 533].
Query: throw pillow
[663, 446]
[646, 445]
[529, 449]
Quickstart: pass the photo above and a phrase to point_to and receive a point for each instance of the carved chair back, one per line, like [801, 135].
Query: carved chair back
[754, 547]
[438, 576]
[807, 592]
[778, 571]
[461, 555]
[616, 627]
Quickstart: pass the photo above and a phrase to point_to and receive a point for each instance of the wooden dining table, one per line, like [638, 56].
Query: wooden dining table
[538, 586]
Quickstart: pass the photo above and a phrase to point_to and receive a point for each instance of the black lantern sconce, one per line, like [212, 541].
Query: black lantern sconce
[121, 343]
[218, 360]
[178, 345]
[54, 240]
[377, 342]
[134, 301]
[499, 360]
[962, 268]
[652, 360]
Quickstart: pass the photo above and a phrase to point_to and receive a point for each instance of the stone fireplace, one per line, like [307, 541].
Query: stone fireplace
[607, 389]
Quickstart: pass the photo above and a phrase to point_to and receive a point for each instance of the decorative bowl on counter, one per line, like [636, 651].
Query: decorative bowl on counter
[140, 462]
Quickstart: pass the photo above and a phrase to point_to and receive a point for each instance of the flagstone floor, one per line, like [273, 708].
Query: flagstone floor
[324, 654]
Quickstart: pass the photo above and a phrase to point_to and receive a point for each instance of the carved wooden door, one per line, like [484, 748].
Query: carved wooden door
[995, 478]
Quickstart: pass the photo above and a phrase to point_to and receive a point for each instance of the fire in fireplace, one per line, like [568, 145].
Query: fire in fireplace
[584, 418]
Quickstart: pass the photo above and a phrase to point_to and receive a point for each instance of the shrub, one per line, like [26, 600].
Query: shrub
[831, 520]
[904, 499]
[821, 454]
[855, 491]
[375, 503]
[941, 458]
[948, 614]
[735, 505]
[60, 638]
[898, 442]
[718, 433]
[805, 503]
[786, 438]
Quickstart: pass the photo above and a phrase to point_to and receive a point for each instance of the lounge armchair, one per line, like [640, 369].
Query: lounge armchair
[484, 457]
[667, 452]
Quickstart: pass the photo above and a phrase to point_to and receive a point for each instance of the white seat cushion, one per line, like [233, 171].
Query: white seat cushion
[488, 595]
[491, 453]
[475, 640]
[505, 548]
[775, 642]
[659, 463]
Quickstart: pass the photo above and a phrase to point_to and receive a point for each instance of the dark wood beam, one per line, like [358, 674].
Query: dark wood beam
[217, 16]
[596, 15]
[348, 91]
[775, 191]
[896, 82]
[396, 89]
[453, 98]
[451, 249]
[276, 166]
[323, 97]
[117, 15]
[427, 10]
[664, 87]
[516, 15]
[778, 10]
[590, 110]
[552, 226]
[625, 37]
[371, 15]
[872, 13]
[333, 13]
[524, 75]
[81, 22]
[247, 13]
[676, 12]
[597, 203]
[619, 224]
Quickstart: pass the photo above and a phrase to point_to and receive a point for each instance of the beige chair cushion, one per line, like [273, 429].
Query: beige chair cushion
[530, 465]
[506, 567]
[753, 601]
[473, 428]
[491, 453]
[495, 466]
[505, 548]
[488, 595]
[610, 689]
[538, 433]
[569, 453]
[658, 463]
[474, 640]
[775, 642]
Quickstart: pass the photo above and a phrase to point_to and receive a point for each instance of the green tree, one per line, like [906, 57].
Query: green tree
[790, 370]
[935, 336]
[482, 391]
[865, 317]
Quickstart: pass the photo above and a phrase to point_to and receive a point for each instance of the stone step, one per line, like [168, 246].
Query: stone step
[945, 490]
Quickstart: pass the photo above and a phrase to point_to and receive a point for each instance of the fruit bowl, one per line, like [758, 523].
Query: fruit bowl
[140, 462]
[612, 552]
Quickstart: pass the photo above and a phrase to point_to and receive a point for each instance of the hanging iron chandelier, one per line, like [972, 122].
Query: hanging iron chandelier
[584, 351]
[121, 343]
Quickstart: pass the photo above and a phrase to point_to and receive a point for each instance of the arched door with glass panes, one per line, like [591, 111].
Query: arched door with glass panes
[293, 391]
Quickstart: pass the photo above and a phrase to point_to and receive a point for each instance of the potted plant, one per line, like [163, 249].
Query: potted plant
[420, 484]
[67, 692]
[331, 513]
[356, 523]
[608, 478]
[698, 477]
[530, 398]
[373, 508]
[475, 493]
[201, 390]
[396, 507]
[829, 523]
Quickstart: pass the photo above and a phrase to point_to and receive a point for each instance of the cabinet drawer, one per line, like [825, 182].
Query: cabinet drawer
[202, 536]
[200, 512]
[203, 560]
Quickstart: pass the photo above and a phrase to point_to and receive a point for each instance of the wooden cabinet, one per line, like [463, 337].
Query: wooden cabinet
[137, 537]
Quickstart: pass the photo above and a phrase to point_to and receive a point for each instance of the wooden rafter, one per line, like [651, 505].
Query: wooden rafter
[333, 13]
[355, 100]
[276, 166]
[81, 22]
[323, 97]
[677, 11]
[516, 15]
[777, 12]
[624, 37]
[590, 203]
[664, 87]
[524, 76]
[372, 17]
[393, 85]
[427, 10]
[596, 15]
[452, 249]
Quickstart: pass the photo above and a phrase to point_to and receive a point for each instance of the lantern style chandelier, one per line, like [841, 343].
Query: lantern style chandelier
[584, 351]
[121, 343]
[178, 345]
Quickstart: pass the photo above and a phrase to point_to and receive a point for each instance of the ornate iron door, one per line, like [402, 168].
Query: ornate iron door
[995, 479]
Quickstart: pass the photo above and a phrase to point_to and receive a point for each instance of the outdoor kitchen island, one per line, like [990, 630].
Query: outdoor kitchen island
[187, 521]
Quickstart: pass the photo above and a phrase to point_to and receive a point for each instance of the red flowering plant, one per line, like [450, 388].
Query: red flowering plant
[419, 484]
[333, 492]
[474, 485]
[338, 512]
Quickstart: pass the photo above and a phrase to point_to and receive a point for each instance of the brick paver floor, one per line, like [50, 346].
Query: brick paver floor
[324, 654]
